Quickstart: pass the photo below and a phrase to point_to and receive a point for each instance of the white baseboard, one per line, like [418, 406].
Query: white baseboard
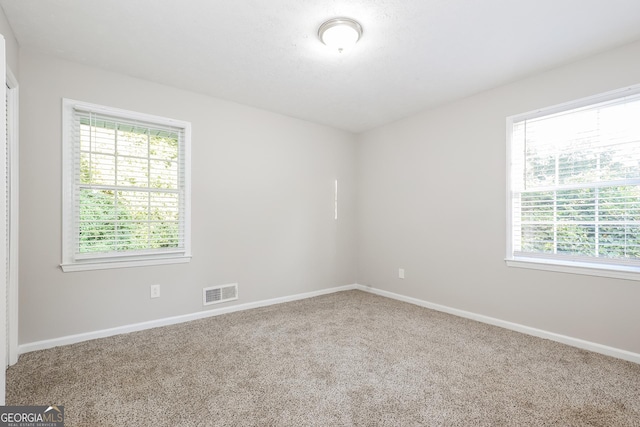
[575, 342]
[72, 339]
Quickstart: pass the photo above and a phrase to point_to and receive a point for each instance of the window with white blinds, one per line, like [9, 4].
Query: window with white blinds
[126, 199]
[574, 185]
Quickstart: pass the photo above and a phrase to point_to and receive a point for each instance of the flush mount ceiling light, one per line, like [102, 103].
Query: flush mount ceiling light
[340, 33]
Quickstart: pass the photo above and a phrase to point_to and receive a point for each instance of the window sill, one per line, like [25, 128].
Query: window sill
[104, 265]
[621, 272]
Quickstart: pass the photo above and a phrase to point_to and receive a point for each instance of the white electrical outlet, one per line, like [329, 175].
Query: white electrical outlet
[155, 291]
[401, 273]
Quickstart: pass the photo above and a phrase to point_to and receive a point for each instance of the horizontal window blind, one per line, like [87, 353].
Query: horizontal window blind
[128, 187]
[575, 184]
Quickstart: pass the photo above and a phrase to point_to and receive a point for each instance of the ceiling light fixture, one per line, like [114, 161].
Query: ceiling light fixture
[340, 33]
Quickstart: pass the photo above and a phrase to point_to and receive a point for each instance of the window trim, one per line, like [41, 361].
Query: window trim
[69, 262]
[619, 271]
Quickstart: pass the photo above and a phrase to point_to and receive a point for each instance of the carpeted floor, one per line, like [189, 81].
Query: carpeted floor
[344, 359]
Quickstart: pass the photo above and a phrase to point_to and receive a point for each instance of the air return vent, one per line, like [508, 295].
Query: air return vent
[218, 294]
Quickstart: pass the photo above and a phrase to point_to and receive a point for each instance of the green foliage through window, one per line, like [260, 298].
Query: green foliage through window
[129, 194]
[576, 182]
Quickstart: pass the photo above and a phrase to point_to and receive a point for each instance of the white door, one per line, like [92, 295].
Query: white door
[4, 336]
[12, 216]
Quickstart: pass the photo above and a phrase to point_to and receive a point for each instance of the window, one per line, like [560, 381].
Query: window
[574, 187]
[126, 188]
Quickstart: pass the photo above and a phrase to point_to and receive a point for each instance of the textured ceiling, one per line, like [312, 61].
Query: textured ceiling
[414, 54]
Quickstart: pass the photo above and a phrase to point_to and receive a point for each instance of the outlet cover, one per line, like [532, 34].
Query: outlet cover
[155, 291]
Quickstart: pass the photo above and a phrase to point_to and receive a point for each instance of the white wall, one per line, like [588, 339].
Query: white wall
[262, 202]
[432, 200]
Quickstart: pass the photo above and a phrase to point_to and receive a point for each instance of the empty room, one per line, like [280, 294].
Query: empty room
[320, 213]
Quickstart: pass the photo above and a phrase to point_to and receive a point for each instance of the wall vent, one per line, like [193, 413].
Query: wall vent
[218, 294]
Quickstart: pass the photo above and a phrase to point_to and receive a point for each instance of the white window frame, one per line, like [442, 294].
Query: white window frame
[619, 271]
[72, 263]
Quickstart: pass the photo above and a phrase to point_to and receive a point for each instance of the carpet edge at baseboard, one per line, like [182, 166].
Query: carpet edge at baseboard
[564, 339]
[540, 333]
[125, 329]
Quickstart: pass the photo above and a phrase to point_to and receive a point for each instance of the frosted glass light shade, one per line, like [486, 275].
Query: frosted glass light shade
[340, 33]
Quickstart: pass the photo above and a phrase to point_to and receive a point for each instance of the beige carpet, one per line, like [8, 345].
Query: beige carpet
[345, 359]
